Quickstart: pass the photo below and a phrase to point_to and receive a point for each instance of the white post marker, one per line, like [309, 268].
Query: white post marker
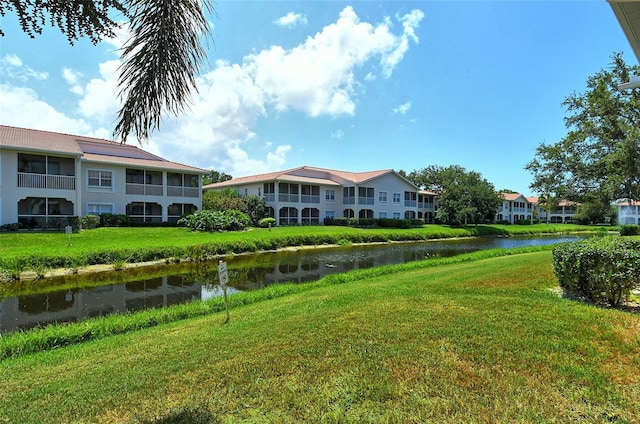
[68, 230]
[223, 276]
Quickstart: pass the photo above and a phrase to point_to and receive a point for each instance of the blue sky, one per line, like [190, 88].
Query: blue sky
[354, 86]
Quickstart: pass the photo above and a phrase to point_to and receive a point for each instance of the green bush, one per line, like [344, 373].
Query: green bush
[208, 220]
[266, 222]
[89, 222]
[630, 230]
[113, 220]
[603, 270]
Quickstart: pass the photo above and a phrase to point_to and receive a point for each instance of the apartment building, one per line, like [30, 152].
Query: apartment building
[46, 176]
[628, 212]
[307, 195]
[515, 208]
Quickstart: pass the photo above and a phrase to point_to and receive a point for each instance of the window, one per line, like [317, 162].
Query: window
[330, 214]
[382, 197]
[99, 179]
[396, 198]
[330, 195]
[382, 215]
[99, 208]
[396, 215]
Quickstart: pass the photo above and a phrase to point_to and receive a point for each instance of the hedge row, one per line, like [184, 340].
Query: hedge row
[602, 270]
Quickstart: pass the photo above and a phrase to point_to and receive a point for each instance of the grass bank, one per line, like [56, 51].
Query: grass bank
[481, 340]
[42, 251]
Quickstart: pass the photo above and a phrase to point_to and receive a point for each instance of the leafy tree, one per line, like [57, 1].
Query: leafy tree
[465, 197]
[255, 207]
[222, 200]
[548, 204]
[599, 158]
[215, 177]
[161, 59]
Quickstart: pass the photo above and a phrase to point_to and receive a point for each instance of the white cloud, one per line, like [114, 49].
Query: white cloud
[403, 108]
[100, 101]
[20, 106]
[337, 134]
[291, 20]
[12, 66]
[73, 80]
[409, 23]
[318, 77]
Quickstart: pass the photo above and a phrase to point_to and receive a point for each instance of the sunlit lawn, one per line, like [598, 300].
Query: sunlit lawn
[482, 341]
[15, 244]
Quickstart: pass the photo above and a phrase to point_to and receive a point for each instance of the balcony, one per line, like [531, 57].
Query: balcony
[46, 181]
[144, 189]
[309, 198]
[291, 198]
[175, 191]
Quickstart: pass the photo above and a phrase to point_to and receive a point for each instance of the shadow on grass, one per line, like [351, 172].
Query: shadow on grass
[184, 415]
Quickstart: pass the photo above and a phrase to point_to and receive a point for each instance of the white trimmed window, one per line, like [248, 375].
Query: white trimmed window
[330, 214]
[396, 215]
[99, 180]
[396, 198]
[382, 197]
[382, 215]
[330, 196]
[99, 208]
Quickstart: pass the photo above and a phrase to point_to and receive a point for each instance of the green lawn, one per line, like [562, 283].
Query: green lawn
[17, 244]
[482, 341]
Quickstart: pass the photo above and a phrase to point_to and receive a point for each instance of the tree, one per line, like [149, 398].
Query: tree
[223, 200]
[464, 196]
[599, 158]
[215, 177]
[255, 207]
[161, 59]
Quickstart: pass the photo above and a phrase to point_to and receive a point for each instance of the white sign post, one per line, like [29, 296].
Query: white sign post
[223, 276]
[68, 230]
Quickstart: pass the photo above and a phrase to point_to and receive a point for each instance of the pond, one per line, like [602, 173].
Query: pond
[159, 286]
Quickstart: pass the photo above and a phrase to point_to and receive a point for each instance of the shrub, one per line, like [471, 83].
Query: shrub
[630, 230]
[89, 222]
[113, 220]
[603, 270]
[207, 220]
[265, 222]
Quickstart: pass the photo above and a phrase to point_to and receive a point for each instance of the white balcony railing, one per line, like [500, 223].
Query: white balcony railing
[144, 189]
[182, 191]
[46, 181]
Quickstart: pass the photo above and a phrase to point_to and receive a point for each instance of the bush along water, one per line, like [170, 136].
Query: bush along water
[602, 270]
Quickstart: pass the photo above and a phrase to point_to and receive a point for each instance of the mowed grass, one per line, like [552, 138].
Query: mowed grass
[483, 341]
[19, 244]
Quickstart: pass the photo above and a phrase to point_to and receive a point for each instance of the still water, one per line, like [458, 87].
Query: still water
[153, 287]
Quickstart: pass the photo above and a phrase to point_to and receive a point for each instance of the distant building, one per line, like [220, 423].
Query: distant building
[515, 208]
[563, 213]
[307, 195]
[45, 176]
[628, 212]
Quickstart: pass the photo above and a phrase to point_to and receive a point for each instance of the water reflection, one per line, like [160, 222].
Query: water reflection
[188, 282]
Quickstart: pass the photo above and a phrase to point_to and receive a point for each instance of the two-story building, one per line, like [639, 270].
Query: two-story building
[515, 207]
[628, 212]
[45, 176]
[307, 195]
